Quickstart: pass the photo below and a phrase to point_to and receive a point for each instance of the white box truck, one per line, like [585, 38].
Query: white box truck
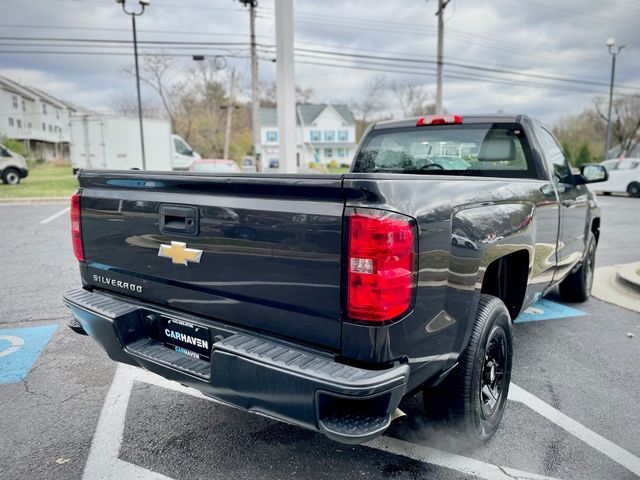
[113, 142]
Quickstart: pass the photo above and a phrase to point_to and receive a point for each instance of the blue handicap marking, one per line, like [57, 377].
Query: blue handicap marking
[547, 310]
[19, 350]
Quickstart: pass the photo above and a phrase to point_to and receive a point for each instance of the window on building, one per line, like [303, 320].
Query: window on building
[340, 152]
[272, 136]
[315, 135]
[51, 128]
[19, 123]
[10, 122]
[24, 105]
[44, 127]
[58, 113]
[14, 100]
[316, 155]
[329, 135]
[343, 135]
[44, 108]
[328, 152]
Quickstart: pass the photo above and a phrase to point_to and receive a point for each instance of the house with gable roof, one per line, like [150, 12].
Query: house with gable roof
[324, 133]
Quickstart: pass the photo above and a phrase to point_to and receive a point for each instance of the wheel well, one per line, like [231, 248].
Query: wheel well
[506, 278]
[595, 228]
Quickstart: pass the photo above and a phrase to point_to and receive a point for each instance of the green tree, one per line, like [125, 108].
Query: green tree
[566, 147]
[584, 155]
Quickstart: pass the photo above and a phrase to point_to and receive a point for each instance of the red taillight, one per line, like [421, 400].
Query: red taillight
[381, 266]
[439, 120]
[76, 231]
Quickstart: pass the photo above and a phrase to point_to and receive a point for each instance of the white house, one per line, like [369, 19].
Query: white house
[324, 133]
[36, 118]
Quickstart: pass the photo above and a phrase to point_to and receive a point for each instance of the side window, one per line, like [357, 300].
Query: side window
[553, 156]
[4, 153]
[181, 148]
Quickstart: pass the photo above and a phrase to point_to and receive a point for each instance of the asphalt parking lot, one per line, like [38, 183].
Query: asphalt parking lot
[573, 413]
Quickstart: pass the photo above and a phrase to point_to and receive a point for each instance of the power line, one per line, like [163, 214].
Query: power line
[75, 41]
[576, 12]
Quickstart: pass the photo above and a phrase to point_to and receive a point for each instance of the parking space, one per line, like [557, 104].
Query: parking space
[66, 410]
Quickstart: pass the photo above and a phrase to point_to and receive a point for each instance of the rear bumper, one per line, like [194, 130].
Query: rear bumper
[291, 383]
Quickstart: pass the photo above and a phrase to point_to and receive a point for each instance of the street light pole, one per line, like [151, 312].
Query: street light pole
[133, 15]
[614, 53]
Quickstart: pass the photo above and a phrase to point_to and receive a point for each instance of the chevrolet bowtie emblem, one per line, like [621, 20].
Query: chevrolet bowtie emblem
[179, 253]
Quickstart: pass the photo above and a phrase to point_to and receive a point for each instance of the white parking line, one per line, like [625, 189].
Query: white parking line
[55, 215]
[103, 461]
[466, 465]
[608, 448]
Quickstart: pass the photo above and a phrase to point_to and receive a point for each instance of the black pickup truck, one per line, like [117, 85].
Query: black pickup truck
[324, 300]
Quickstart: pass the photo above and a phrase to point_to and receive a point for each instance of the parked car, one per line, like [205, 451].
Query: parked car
[324, 300]
[13, 166]
[214, 166]
[624, 177]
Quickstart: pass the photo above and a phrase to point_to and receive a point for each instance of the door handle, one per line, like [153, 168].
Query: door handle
[177, 219]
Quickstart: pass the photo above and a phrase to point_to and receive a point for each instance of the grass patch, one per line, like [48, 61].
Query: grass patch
[45, 180]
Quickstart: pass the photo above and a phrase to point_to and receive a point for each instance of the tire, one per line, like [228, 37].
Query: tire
[577, 286]
[11, 176]
[472, 398]
[633, 189]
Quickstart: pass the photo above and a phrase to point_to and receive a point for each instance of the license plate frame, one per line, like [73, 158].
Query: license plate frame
[186, 337]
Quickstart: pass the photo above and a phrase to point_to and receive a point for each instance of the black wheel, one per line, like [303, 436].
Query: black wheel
[634, 189]
[577, 286]
[472, 398]
[11, 176]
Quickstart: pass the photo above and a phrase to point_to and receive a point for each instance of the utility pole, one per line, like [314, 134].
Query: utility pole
[255, 94]
[614, 53]
[230, 106]
[442, 4]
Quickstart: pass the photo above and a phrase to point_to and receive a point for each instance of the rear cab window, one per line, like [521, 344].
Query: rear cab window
[477, 149]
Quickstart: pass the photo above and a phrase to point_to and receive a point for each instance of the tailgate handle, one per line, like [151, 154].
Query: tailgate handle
[179, 219]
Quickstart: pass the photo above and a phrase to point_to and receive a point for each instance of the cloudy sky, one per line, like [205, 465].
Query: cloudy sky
[543, 57]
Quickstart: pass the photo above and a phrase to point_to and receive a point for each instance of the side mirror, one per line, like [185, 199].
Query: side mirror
[591, 173]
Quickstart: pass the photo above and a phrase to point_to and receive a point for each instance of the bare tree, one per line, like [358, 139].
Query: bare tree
[371, 100]
[158, 72]
[413, 99]
[625, 121]
[269, 94]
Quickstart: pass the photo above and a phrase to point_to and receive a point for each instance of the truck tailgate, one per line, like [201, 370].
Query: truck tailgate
[270, 246]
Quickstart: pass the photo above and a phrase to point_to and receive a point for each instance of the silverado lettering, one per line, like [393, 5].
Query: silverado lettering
[325, 295]
[117, 283]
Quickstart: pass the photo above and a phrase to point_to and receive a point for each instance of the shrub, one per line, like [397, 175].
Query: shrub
[312, 165]
[333, 164]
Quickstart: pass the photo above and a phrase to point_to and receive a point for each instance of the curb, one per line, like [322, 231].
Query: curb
[628, 274]
[33, 200]
[619, 285]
